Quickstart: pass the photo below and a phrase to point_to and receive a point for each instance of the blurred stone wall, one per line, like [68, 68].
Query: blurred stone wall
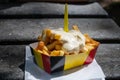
[105, 3]
[8, 1]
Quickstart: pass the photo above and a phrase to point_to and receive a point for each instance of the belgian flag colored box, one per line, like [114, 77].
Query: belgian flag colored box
[52, 64]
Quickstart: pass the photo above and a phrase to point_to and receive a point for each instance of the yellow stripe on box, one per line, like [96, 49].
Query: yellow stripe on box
[75, 60]
[38, 58]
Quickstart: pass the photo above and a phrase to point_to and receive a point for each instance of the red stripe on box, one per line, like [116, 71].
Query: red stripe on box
[46, 63]
[91, 56]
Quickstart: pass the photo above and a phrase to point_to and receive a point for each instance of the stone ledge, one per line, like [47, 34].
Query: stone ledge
[108, 58]
[29, 29]
[42, 8]
[12, 56]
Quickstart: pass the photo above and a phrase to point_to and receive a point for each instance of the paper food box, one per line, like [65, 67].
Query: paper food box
[57, 59]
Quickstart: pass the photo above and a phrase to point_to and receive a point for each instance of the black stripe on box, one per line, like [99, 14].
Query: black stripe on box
[57, 63]
[32, 51]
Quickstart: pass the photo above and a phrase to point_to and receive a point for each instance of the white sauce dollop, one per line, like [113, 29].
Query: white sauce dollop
[73, 40]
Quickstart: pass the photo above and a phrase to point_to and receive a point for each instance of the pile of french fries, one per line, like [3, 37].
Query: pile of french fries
[51, 45]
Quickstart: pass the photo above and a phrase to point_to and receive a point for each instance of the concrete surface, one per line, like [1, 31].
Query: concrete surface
[108, 56]
[11, 58]
[29, 29]
[52, 9]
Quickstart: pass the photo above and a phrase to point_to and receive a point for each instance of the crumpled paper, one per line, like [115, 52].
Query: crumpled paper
[88, 72]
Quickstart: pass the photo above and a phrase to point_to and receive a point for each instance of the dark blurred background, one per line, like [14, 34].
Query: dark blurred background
[111, 6]
[113, 9]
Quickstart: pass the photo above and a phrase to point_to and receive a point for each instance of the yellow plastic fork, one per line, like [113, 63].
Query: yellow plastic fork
[66, 18]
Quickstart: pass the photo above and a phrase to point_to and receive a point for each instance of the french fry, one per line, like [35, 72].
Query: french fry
[45, 48]
[52, 45]
[40, 51]
[90, 41]
[43, 33]
[39, 38]
[92, 44]
[62, 53]
[87, 38]
[66, 53]
[71, 53]
[89, 47]
[45, 52]
[95, 43]
[40, 45]
[75, 52]
[75, 27]
[55, 53]
[47, 40]
[58, 47]
[57, 36]
[48, 32]
[52, 36]
[84, 50]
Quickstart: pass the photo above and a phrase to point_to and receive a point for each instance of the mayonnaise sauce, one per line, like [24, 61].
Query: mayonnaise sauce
[73, 40]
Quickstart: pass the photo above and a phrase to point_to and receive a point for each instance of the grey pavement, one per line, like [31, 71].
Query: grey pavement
[11, 58]
[29, 29]
[108, 56]
[42, 8]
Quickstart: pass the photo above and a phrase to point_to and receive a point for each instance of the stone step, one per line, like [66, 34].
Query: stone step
[12, 56]
[27, 30]
[51, 9]
[108, 58]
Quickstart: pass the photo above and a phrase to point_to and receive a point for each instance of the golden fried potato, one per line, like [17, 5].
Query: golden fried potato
[45, 52]
[48, 33]
[84, 50]
[39, 38]
[58, 47]
[66, 53]
[75, 27]
[45, 48]
[52, 45]
[40, 51]
[57, 36]
[55, 53]
[62, 53]
[89, 47]
[87, 38]
[40, 45]
[90, 41]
